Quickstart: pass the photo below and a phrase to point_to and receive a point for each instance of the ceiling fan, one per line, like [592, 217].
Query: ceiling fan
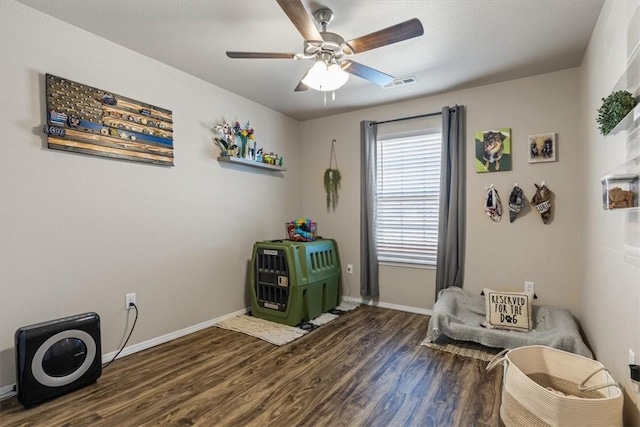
[330, 51]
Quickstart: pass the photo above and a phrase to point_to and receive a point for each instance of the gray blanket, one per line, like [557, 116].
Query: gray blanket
[460, 316]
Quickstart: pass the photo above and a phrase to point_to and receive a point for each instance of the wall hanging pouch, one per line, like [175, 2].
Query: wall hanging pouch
[542, 201]
[492, 204]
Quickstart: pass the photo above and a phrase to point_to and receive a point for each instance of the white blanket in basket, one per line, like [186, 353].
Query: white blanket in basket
[460, 316]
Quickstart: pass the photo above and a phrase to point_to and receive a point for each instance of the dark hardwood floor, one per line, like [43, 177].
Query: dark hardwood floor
[366, 368]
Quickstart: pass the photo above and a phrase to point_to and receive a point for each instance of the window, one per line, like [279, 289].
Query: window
[408, 190]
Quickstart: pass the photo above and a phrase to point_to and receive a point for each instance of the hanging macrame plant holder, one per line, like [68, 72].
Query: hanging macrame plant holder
[332, 180]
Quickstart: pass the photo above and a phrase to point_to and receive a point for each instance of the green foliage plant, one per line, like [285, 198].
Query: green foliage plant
[614, 108]
[331, 186]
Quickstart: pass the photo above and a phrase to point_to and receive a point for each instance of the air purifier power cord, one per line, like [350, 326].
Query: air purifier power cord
[131, 304]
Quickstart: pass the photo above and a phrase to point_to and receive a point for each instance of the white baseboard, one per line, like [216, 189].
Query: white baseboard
[170, 336]
[186, 331]
[7, 391]
[390, 306]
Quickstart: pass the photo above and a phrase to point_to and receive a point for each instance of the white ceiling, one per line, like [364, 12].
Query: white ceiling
[465, 43]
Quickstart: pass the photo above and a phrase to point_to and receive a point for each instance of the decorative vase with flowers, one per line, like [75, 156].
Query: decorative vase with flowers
[245, 134]
[226, 142]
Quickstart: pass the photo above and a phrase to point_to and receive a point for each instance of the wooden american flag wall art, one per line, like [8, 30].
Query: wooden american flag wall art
[83, 119]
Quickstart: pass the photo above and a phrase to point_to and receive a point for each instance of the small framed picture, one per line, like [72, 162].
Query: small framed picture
[542, 148]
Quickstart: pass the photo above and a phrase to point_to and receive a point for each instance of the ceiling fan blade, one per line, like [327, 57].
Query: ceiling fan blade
[367, 73]
[396, 33]
[260, 55]
[298, 15]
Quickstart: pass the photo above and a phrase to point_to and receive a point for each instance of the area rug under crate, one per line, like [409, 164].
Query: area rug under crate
[277, 333]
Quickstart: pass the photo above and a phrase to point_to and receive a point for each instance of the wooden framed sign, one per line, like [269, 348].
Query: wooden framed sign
[83, 119]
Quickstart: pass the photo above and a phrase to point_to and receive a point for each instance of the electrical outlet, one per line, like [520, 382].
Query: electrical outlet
[129, 298]
[349, 268]
[632, 357]
[529, 287]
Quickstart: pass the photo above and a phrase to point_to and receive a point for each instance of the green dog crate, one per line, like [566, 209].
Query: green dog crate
[293, 282]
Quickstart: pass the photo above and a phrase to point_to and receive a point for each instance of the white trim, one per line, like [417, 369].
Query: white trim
[170, 336]
[375, 303]
[7, 391]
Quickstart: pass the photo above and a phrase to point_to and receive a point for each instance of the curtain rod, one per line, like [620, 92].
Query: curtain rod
[408, 118]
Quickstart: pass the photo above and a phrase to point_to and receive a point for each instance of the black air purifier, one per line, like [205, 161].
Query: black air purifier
[56, 357]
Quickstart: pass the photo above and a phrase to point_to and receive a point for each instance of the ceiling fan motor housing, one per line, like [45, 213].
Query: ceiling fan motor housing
[323, 17]
[333, 44]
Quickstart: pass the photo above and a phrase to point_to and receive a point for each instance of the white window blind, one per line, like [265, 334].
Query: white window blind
[408, 190]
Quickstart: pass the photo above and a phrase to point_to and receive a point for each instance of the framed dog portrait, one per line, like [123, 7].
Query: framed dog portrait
[542, 148]
[493, 150]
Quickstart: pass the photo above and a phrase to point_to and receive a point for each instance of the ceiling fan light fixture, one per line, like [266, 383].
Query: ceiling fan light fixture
[324, 78]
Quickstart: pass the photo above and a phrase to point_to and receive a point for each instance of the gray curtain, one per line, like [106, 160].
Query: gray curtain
[451, 221]
[369, 254]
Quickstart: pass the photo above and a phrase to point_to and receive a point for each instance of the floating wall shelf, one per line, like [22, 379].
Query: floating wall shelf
[630, 123]
[250, 163]
[629, 79]
[621, 186]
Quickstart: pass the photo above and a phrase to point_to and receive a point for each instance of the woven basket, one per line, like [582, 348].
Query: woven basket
[592, 397]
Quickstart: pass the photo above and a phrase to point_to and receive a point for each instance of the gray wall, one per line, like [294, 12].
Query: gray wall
[501, 255]
[610, 280]
[78, 232]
